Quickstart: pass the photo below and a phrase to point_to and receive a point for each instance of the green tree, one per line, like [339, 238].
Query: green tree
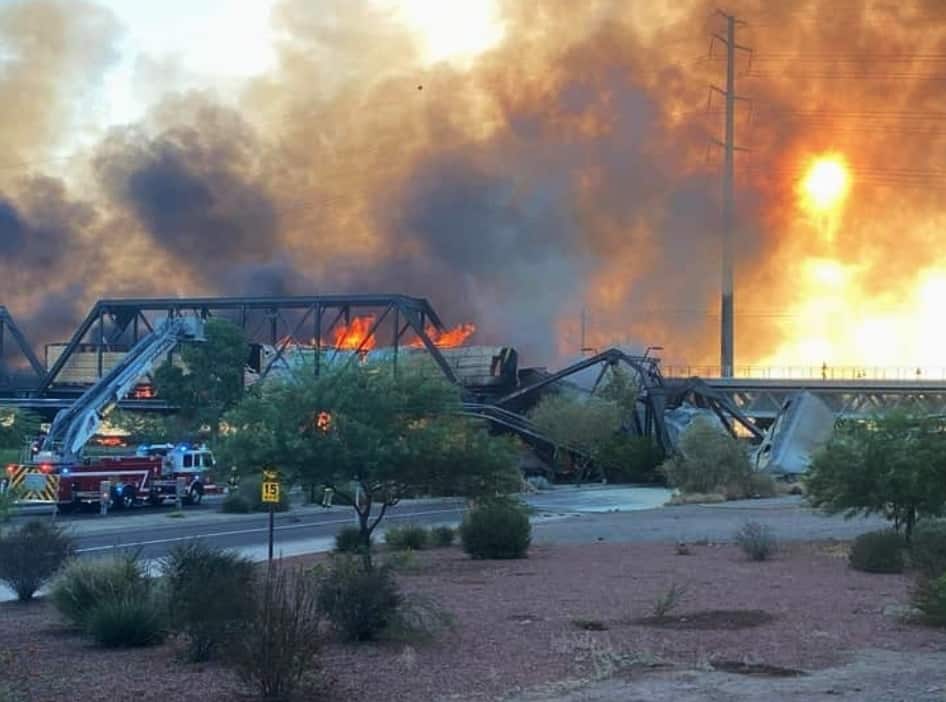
[211, 379]
[582, 423]
[622, 389]
[17, 427]
[893, 465]
[372, 436]
[147, 427]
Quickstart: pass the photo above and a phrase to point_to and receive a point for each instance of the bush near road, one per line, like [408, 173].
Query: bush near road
[209, 593]
[928, 548]
[878, 552]
[84, 583]
[497, 528]
[31, 555]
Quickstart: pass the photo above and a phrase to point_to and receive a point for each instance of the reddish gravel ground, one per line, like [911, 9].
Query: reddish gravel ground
[515, 626]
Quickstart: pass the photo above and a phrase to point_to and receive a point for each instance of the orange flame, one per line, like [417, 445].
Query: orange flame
[355, 335]
[449, 338]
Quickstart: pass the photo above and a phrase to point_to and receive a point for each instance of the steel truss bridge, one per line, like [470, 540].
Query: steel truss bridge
[761, 398]
[116, 324]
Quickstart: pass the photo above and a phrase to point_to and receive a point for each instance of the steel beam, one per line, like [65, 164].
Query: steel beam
[8, 326]
[417, 312]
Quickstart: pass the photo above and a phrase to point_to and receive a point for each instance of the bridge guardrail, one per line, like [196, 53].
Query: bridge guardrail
[867, 373]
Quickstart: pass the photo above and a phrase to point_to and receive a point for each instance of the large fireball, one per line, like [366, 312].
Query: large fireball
[826, 183]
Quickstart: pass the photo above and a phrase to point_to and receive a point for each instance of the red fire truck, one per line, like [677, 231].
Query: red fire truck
[61, 475]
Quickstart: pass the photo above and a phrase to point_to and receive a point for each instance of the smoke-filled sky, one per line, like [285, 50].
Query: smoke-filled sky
[513, 161]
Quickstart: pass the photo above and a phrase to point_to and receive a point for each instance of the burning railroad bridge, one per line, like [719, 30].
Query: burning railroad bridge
[288, 333]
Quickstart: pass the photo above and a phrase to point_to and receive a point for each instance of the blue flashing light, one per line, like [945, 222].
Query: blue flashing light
[65, 471]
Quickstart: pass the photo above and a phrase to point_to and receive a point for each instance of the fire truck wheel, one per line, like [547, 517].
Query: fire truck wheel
[127, 498]
[195, 495]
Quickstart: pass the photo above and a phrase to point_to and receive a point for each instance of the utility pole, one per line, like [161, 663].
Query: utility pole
[727, 332]
[584, 347]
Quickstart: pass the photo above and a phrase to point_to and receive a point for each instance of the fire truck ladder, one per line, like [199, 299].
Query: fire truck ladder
[74, 426]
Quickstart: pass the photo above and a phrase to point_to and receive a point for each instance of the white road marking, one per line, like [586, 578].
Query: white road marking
[237, 532]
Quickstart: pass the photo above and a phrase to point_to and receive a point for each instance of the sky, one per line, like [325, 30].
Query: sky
[218, 43]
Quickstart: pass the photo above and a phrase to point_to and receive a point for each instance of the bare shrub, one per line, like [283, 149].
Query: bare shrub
[359, 602]
[757, 541]
[279, 643]
[669, 600]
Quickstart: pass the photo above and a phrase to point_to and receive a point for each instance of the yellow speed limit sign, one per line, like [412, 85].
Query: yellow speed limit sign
[270, 486]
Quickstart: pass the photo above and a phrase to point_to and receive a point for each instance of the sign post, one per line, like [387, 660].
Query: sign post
[180, 486]
[270, 496]
[105, 496]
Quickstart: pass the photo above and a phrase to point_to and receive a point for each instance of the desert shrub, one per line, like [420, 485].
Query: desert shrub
[878, 552]
[928, 547]
[630, 459]
[417, 618]
[410, 536]
[930, 598]
[128, 621]
[442, 536]
[31, 555]
[84, 583]
[762, 485]
[496, 529]
[280, 639]
[359, 602]
[348, 540]
[756, 540]
[209, 590]
[235, 503]
[669, 599]
[709, 460]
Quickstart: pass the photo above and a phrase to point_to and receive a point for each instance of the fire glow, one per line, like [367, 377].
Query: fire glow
[826, 184]
[357, 335]
[498, 185]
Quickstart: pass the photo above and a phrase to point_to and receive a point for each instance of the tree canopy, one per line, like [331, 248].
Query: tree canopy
[17, 427]
[211, 379]
[577, 422]
[893, 465]
[372, 435]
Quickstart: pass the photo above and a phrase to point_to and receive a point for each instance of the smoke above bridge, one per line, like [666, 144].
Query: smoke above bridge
[571, 166]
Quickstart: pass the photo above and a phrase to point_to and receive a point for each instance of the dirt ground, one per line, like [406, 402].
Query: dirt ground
[572, 622]
[871, 675]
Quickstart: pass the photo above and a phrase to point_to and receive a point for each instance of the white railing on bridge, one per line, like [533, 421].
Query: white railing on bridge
[901, 373]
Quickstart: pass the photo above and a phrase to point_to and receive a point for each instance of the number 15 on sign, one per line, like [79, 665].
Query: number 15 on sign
[270, 492]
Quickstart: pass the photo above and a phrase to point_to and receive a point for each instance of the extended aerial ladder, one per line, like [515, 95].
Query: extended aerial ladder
[75, 426]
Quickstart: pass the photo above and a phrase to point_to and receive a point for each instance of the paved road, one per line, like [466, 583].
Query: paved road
[789, 517]
[295, 532]
[311, 528]
[566, 515]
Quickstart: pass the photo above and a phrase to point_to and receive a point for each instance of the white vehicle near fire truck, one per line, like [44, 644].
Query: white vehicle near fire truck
[60, 475]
